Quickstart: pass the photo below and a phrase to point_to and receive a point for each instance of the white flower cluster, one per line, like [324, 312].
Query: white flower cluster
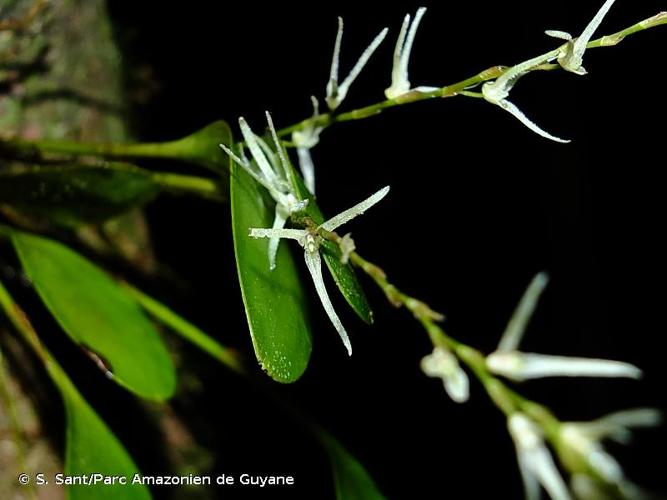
[271, 169]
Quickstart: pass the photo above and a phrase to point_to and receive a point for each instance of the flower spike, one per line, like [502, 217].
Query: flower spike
[336, 93]
[400, 84]
[310, 241]
[513, 364]
[571, 55]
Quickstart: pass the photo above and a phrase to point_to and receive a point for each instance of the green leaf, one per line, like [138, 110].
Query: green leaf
[97, 314]
[343, 274]
[351, 480]
[274, 300]
[71, 195]
[202, 147]
[92, 448]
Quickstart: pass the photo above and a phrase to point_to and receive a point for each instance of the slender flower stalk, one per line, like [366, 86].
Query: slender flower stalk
[310, 240]
[336, 92]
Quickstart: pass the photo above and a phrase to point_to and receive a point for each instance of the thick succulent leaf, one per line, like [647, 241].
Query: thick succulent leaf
[274, 300]
[74, 195]
[99, 315]
[351, 480]
[343, 274]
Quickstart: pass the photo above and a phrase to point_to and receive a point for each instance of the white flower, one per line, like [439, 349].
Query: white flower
[509, 362]
[570, 56]
[535, 462]
[305, 140]
[335, 92]
[399, 73]
[310, 241]
[443, 364]
[584, 439]
[271, 170]
[496, 92]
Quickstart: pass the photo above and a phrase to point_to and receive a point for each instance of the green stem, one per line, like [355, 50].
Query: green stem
[326, 119]
[506, 399]
[187, 330]
[180, 183]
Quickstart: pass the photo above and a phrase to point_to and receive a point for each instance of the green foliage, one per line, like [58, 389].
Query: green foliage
[92, 448]
[274, 300]
[75, 195]
[97, 314]
[351, 480]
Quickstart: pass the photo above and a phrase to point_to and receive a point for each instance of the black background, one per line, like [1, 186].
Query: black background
[478, 205]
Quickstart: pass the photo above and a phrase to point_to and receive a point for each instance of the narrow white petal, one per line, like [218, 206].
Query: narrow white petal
[243, 162]
[535, 461]
[256, 151]
[499, 89]
[365, 56]
[531, 486]
[399, 85]
[292, 234]
[314, 264]
[245, 165]
[398, 50]
[543, 466]
[524, 366]
[332, 84]
[274, 241]
[307, 168]
[563, 35]
[517, 324]
[605, 465]
[358, 209]
[407, 48]
[617, 425]
[519, 115]
[581, 42]
[279, 147]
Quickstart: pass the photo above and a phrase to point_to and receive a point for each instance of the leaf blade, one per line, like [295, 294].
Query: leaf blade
[97, 314]
[351, 480]
[274, 300]
[73, 195]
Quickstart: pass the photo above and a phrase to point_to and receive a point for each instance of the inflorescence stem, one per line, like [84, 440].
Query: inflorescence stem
[507, 400]
[460, 88]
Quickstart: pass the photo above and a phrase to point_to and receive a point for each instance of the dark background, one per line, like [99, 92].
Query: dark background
[478, 205]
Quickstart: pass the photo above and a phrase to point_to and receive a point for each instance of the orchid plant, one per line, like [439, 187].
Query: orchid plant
[271, 201]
